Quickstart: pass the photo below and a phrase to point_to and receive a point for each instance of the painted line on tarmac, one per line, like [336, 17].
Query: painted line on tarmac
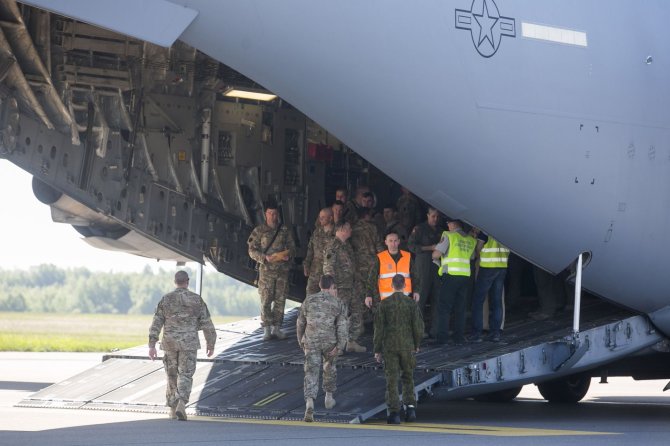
[453, 429]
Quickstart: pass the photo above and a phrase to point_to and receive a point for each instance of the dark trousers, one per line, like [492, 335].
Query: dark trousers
[453, 295]
[491, 281]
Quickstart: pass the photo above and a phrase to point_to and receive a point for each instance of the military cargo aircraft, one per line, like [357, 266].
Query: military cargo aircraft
[545, 124]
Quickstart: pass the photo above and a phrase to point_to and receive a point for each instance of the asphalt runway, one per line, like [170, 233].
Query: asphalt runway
[622, 412]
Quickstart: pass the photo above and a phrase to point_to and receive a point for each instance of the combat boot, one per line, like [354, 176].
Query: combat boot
[353, 346]
[172, 414]
[277, 333]
[410, 413]
[180, 411]
[267, 335]
[309, 410]
[394, 418]
[329, 401]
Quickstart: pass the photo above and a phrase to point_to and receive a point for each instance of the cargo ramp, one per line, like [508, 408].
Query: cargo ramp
[249, 378]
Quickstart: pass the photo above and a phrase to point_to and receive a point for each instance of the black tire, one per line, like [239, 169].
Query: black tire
[501, 396]
[566, 390]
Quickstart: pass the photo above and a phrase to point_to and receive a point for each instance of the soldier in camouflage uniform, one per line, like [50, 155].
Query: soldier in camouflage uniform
[180, 314]
[338, 211]
[321, 237]
[339, 262]
[322, 333]
[421, 243]
[398, 332]
[409, 208]
[392, 223]
[367, 243]
[352, 206]
[273, 257]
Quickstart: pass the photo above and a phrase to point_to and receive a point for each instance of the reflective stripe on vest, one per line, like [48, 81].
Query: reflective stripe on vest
[457, 260]
[493, 254]
[388, 268]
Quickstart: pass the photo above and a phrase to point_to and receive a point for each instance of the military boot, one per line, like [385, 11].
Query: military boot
[172, 414]
[353, 346]
[394, 418]
[180, 411]
[410, 413]
[277, 333]
[309, 410]
[329, 401]
[267, 335]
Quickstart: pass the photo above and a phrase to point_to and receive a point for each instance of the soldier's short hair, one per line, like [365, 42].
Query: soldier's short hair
[271, 204]
[326, 282]
[340, 224]
[181, 277]
[391, 231]
[338, 203]
[398, 282]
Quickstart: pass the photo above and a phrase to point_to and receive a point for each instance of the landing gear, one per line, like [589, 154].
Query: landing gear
[570, 389]
[501, 396]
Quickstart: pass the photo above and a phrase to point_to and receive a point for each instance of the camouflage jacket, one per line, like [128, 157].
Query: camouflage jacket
[315, 249]
[398, 325]
[338, 261]
[181, 313]
[260, 239]
[350, 212]
[366, 243]
[322, 322]
[409, 210]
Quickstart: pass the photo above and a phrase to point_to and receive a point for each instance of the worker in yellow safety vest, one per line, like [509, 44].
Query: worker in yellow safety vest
[390, 262]
[454, 251]
[490, 280]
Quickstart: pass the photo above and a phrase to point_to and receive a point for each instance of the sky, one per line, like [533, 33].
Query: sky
[29, 237]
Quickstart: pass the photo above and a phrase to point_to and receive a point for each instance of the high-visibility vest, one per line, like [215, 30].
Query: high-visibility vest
[493, 254]
[457, 260]
[389, 268]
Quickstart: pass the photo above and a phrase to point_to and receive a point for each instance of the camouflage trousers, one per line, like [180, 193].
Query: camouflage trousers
[314, 357]
[399, 365]
[355, 306]
[272, 288]
[179, 368]
[313, 283]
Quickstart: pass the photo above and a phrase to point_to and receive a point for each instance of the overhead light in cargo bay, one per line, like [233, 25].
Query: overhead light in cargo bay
[254, 95]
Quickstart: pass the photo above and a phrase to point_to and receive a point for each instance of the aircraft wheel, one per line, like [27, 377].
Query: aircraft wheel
[501, 396]
[565, 390]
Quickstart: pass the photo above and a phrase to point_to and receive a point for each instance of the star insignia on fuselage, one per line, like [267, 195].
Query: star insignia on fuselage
[486, 25]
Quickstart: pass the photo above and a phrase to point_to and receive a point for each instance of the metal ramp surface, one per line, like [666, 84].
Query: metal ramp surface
[250, 378]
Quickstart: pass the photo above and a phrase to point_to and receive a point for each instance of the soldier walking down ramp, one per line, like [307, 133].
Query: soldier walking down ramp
[322, 236]
[180, 314]
[398, 333]
[271, 245]
[322, 334]
[339, 262]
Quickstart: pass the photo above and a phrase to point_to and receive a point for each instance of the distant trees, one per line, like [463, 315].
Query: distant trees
[47, 288]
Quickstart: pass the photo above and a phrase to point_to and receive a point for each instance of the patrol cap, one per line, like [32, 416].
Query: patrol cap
[181, 276]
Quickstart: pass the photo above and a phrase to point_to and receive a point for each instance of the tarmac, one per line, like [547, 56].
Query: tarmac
[619, 413]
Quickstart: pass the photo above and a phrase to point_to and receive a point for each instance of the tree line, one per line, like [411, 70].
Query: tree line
[50, 289]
